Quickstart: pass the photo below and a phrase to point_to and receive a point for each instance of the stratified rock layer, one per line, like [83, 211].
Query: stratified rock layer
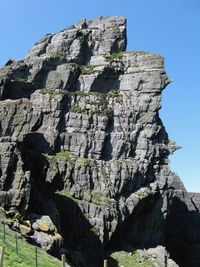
[83, 152]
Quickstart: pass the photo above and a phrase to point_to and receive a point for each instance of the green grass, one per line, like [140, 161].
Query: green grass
[26, 255]
[101, 105]
[138, 52]
[126, 259]
[88, 69]
[101, 102]
[77, 109]
[119, 56]
[66, 155]
[115, 56]
[95, 198]
[99, 199]
[95, 230]
[85, 161]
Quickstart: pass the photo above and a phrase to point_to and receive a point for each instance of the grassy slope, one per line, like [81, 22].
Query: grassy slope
[122, 258]
[26, 257]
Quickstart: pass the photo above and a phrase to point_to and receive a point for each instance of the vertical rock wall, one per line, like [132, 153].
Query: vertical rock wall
[83, 150]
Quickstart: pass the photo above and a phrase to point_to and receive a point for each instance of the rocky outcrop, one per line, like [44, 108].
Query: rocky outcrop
[84, 152]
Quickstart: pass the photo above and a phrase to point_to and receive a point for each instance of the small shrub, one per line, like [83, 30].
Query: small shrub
[86, 162]
[88, 69]
[66, 155]
[95, 230]
[115, 56]
[77, 109]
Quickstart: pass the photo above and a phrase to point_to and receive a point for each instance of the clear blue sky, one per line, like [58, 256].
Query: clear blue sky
[170, 27]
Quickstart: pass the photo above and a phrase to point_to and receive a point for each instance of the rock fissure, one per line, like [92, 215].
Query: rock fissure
[84, 154]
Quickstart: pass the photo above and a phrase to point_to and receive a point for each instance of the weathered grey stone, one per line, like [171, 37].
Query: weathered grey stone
[158, 256]
[83, 148]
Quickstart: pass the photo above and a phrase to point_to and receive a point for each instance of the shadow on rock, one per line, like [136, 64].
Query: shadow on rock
[80, 237]
[112, 262]
[183, 232]
[36, 142]
[144, 228]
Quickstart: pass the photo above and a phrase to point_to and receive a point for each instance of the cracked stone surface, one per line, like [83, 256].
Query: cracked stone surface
[83, 146]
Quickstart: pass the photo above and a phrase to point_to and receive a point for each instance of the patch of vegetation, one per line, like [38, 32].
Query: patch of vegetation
[79, 93]
[115, 56]
[26, 253]
[129, 260]
[105, 111]
[95, 230]
[87, 216]
[73, 64]
[139, 194]
[116, 30]
[86, 162]
[114, 93]
[101, 96]
[102, 100]
[98, 94]
[66, 155]
[88, 69]
[119, 56]
[50, 158]
[99, 199]
[63, 155]
[77, 109]
[100, 103]
[101, 107]
[138, 52]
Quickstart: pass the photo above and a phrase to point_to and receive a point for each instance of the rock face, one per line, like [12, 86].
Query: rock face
[84, 152]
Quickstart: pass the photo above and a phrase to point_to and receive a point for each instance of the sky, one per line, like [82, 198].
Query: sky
[168, 27]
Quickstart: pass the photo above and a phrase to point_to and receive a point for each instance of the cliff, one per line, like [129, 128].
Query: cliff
[84, 154]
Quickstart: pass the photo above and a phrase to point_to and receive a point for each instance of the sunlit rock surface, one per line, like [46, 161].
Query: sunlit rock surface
[84, 153]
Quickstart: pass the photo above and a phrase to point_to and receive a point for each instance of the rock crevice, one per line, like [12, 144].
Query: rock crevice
[83, 152]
